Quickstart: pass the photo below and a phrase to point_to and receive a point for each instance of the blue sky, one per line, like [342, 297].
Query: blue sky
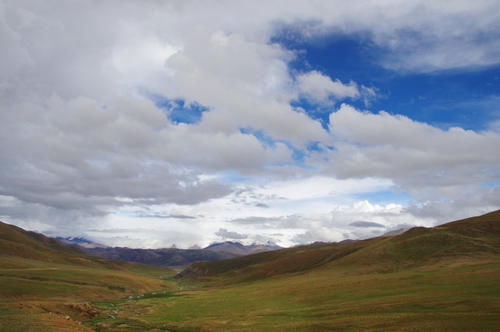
[465, 97]
[178, 111]
[257, 120]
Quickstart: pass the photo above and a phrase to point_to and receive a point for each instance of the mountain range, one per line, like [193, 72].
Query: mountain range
[169, 256]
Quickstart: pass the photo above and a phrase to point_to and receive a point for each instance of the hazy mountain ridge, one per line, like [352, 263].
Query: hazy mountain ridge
[236, 248]
[170, 256]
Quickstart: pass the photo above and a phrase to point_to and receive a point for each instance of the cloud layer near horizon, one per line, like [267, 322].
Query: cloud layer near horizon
[85, 148]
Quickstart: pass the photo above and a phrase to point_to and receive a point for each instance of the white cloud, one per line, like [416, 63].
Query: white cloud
[79, 142]
[440, 168]
[225, 234]
[245, 84]
[139, 63]
[318, 87]
[394, 146]
[321, 186]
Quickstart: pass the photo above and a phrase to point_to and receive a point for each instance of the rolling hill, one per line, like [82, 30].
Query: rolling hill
[46, 285]
[477, 236]
[15, 241]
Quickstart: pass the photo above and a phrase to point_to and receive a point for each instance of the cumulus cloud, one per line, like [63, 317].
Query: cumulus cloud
[440, 168]
[336, 222]
[410, 152]
[459, 202]
[318, 87]
[77, 151]
[244, 83]
[81, 140]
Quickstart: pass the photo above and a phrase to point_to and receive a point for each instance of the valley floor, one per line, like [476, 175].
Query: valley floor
[462, 296]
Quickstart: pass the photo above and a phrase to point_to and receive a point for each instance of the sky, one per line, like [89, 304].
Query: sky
[150, 124]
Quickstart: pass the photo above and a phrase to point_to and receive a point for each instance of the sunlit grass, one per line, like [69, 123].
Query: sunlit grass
[454, 297]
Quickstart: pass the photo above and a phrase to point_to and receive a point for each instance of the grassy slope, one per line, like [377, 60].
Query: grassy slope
[46, 285]
[441, 279]
[465, 296]
[477, 237]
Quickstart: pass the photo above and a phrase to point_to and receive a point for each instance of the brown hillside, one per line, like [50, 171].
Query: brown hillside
[14, 241]
[17, 242]
[417, 246]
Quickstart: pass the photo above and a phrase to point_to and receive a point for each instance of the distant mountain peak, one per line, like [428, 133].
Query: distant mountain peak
[225, 243]
[238, 249]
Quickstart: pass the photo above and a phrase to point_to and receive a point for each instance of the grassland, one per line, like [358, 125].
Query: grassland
[441, 279]
[460, 296]
[43, 296]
